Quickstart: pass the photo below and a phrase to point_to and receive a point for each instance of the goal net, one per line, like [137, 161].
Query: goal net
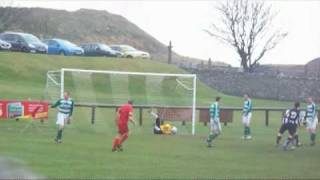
[172, 96]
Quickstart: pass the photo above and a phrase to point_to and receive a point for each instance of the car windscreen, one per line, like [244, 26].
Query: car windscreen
[105, 47]
[128, 48]
[31, 39]
[67, 43]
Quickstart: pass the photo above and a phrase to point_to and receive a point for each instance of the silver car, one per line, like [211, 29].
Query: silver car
[130, 52]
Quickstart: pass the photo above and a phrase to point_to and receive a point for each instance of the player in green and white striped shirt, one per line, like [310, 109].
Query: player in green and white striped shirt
[65, 109]
[312, 120]
[246, 116]
[215, 127]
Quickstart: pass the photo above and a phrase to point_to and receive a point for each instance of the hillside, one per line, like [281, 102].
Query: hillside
[23, 76]
[82, 26]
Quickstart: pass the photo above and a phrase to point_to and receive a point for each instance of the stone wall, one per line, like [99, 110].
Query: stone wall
[260, 85]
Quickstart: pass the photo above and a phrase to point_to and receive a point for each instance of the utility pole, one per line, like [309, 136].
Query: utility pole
[170, 53]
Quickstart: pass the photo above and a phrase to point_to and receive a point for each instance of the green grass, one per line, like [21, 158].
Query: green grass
[86, 150]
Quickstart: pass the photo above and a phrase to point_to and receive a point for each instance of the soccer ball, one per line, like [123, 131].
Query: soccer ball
[174, 130]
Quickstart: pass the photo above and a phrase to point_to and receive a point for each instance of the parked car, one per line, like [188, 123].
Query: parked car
[24, 42]
[130, 52]
[99, 49]
[63, 47]
[4, 45]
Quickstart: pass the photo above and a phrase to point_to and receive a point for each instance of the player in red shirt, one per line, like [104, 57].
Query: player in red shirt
[124, 114]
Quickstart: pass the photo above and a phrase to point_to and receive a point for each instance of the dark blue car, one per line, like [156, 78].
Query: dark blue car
[99, 49]
[24, 42]
[63, 47]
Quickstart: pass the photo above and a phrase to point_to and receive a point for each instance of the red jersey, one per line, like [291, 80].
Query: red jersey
[124, 112]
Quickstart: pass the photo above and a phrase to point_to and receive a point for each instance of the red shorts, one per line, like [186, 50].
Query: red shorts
[123, 128]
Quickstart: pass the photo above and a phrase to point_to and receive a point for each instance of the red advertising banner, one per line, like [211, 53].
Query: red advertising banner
[23, 109]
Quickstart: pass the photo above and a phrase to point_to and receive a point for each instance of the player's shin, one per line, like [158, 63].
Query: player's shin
[124, 137]
[296, 138]
[210, 138]
[115, 143]
[288, 141]
[59, 133]
[246, 131]
[313, 138]
[278, 139]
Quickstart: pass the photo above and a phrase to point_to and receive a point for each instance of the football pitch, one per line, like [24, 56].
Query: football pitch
[86, 151]
[86, 148]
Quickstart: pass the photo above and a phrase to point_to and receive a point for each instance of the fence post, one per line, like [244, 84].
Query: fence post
[170, 53]
[93, 114]
[140, 116]
[267, 117]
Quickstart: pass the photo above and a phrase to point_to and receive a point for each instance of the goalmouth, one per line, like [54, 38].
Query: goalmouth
[153, 89]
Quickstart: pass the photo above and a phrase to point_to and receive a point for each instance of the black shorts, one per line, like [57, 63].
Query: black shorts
[292, 129]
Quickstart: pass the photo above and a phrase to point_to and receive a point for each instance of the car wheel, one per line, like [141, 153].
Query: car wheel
[129, 56]
[62, 53]
[24, 49]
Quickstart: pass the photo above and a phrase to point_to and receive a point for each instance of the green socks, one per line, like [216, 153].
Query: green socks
[59, 134]
[211, 137]
[313, 137]
[247, 131]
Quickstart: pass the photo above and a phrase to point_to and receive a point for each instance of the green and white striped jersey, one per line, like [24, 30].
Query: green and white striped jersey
[247, 107]
[311, 111]
[215, 111]
[64, 106]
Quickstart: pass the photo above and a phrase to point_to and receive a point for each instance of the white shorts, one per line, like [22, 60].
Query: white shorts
[246, 119]
[215, 126]
[312, 124]
[62, 118]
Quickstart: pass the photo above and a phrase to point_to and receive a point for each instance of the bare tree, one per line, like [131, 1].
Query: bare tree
[246, 26]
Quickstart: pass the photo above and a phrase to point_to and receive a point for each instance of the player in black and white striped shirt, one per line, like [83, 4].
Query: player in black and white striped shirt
[290, 122]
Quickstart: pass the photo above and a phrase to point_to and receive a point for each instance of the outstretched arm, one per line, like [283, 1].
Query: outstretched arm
[55, 104]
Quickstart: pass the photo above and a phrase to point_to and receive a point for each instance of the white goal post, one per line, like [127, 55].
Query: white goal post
[51, 77]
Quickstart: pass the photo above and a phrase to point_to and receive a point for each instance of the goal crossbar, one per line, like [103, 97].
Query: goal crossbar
[128, 73]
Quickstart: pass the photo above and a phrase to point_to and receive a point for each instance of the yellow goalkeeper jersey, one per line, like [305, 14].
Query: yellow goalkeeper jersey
[166, 128]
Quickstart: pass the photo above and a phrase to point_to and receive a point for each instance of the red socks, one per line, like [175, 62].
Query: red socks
[116, 143]
[124, 138]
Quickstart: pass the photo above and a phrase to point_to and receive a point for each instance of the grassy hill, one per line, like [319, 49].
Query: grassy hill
[86, 149]
[83, 26]
[23, 76]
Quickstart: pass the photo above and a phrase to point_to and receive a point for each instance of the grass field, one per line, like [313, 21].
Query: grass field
[86, 150]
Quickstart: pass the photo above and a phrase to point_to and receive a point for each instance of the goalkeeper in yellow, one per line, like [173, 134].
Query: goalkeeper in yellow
[160, 127]
[215, 127]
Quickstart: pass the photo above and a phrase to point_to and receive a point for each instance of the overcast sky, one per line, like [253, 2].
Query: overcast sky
[183, 22]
